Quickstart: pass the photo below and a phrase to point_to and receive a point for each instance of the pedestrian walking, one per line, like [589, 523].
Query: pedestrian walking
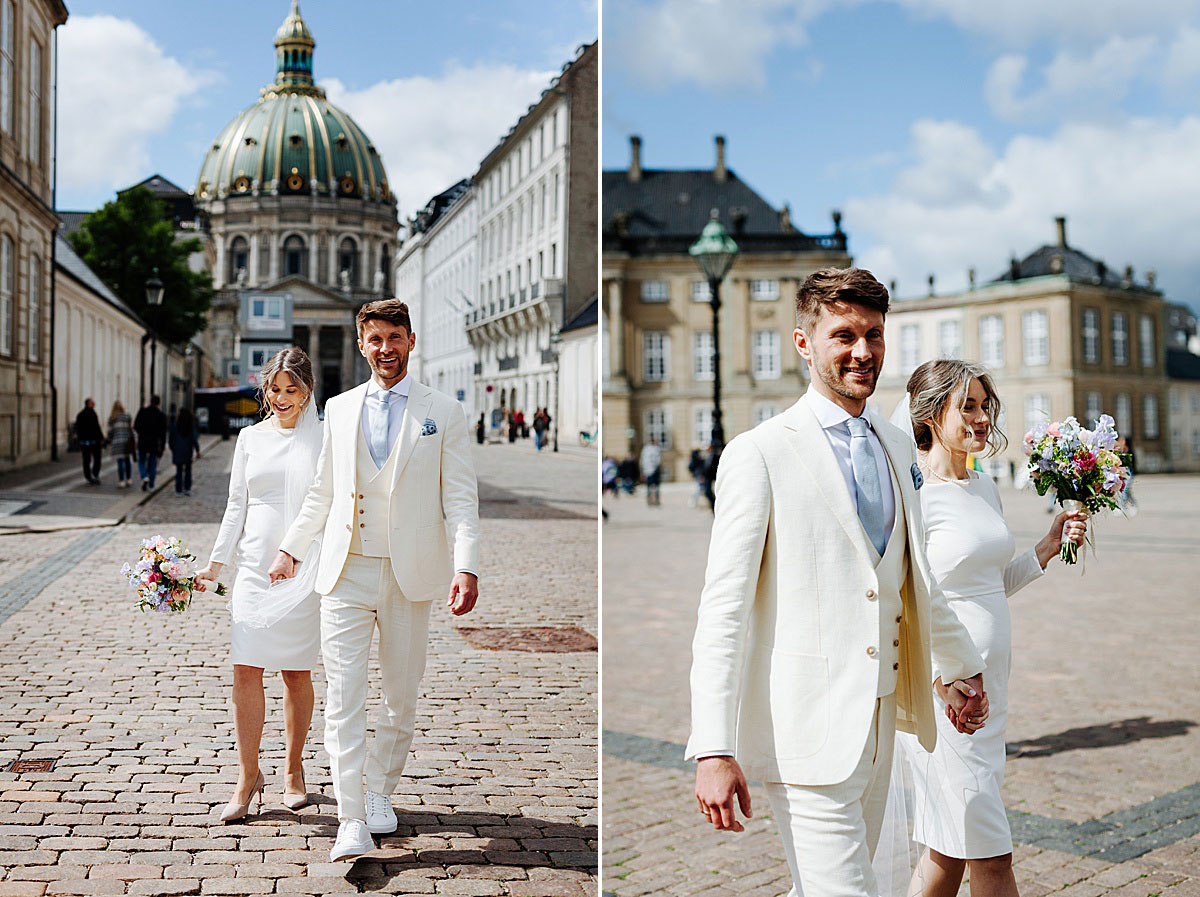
[711, 459]
[608, 476]
[539, 429]
[185, 444]
[629, 474]
[696, 469]
[651, 463]
[522, 429]
[1125, 501]
[546, 419]
[513, 427]
[150, 426]
[480, 429]
[91, 441]
[122, 444]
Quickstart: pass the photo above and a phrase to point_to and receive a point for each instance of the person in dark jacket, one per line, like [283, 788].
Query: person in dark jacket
[185, 444]
[150, 425]
[91, 441]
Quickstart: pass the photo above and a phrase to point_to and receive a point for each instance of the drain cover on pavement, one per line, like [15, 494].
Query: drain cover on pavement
[20, 766]
[538, 639]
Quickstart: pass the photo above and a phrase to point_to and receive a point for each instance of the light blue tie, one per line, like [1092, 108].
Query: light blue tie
[379, 428]
[866, 481]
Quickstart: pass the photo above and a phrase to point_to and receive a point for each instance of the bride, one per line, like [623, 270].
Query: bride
[274, 627]
[958, 812]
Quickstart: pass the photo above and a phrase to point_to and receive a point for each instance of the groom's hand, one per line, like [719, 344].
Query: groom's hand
[969, 704]
[464, 592]
[718, 779]
[283, 567]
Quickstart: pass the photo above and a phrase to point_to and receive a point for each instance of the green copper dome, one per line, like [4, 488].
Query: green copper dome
[293, 140]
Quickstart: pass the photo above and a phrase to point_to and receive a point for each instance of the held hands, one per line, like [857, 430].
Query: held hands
[464, 592]
[208, 574]
[283, 567]
[967, 705]
[718, 779]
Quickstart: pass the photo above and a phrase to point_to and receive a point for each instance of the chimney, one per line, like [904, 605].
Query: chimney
[930, 284]
[971, 278]
[635, 164]
[1014, 268]
[785, 218]
[1061, 223]
[892, 288]
[720, 172]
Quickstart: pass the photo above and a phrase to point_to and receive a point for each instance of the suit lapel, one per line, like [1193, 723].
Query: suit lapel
[349, 433]
[420, 397]
[810, 444]
[897, 453]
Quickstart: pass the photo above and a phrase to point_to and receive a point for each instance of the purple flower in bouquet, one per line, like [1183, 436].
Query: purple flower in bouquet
[163, 578]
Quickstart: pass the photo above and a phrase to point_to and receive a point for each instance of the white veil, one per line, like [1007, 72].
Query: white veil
[251, 604]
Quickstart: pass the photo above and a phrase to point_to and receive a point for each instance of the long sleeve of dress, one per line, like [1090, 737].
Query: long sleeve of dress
[230, 532]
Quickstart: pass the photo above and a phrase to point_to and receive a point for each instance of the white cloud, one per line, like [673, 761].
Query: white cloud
[117, 89]
[1073, 84]
[1129, 190]
[1182, 62]
[432, 131]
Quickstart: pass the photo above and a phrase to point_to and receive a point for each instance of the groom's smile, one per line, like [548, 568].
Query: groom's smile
[844, 351]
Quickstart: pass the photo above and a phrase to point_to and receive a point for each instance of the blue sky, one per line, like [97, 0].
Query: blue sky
[145, 85]
[950, 133]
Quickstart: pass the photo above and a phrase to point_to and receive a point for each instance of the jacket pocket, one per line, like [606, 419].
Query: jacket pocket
[799, 702]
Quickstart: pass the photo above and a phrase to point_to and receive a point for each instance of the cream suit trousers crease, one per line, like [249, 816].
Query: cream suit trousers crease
[365, 597]
[830, 831]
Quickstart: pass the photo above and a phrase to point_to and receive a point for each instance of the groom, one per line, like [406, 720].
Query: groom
[395, 495]
[818, 618]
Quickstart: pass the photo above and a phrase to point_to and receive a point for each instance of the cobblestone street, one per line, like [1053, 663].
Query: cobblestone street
[1104, 794]
[499, 796]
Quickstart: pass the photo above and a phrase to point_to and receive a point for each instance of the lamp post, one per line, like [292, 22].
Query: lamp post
[715, 251]
[556, 348]
[154, 296]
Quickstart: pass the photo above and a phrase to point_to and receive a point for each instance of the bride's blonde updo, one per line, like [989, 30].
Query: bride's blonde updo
[931, 388]
[294, 362]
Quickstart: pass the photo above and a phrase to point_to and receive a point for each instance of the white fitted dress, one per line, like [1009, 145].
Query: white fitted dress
[252, 528]
[958, 810]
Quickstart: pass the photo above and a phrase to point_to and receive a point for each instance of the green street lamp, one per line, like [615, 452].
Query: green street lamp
[715, 252]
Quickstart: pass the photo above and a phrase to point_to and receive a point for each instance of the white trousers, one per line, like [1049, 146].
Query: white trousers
[830, 831]
[365, 597]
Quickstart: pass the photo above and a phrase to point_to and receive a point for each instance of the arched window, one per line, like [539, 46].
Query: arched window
[8, 282]
[239, 259]
[35, 308]
[385, 265]
[348, 259]
[295, 256]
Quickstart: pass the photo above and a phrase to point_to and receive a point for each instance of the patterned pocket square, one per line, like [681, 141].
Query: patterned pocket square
[429, 427]
[918, 479]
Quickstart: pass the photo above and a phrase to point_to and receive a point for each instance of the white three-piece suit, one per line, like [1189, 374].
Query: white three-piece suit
[811, 649]
[394, 535]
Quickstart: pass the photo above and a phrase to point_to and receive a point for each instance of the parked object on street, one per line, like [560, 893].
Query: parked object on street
[91, 441]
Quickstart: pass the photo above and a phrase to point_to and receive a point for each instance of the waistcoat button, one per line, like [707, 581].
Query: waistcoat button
[871, 651]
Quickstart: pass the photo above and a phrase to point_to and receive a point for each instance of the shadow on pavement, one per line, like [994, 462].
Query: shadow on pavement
[1102, 735]
[498, 503]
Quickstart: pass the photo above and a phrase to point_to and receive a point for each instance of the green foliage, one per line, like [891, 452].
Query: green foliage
[125, 241]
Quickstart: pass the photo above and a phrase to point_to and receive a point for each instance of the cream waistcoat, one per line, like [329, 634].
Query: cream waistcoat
[891, 571]
[372, 491]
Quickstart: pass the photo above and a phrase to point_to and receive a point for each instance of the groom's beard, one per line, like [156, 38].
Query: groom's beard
[834, 376]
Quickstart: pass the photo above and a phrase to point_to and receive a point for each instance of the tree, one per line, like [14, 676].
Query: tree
[125, 241]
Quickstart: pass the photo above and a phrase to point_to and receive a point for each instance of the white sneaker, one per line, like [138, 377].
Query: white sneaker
[353, 840]
[381, 818]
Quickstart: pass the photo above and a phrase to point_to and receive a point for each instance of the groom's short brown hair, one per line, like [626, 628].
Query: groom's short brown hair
[825, 286]
[391, 310]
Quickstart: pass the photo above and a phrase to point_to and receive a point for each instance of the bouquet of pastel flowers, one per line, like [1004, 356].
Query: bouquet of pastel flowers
[164, 576]
[1081, 465]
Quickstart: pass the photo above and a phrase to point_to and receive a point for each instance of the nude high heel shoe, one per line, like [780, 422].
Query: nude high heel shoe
[233, 812]
[295, 801]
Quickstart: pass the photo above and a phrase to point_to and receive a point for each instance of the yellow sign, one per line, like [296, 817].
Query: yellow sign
[241, 406]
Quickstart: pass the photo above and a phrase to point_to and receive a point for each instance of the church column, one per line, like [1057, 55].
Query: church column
[252, 279]
[616, 331]
[333, 261]
[349, 353]
[219, 279]
[274, 258]
[312, 256]
[314, 348]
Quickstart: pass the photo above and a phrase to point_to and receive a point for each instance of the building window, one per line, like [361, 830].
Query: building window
[1150, 417]
[656, 424]
[702, 355]
[348, 260]
[950, 339]
[239, 258]
[1120, 337]
[702, 427]
[1196, 403]
[554, 199]
[910, 347]
[701, 291]
[1035, 337]
[655, 291]
[1176, 443]
[766, 355]
[1094, 408]
[35, 102]
[7, 68]
[656, 352]
[764, 290]
[266, 313]
[1091, 335]
[295, 258]
[1196, 443]
[8, 282]
[991, 341]
[35, 308]
[1124, 415]
[1037, 410]
[1176, 401]
[764, 411]
[1146, 341]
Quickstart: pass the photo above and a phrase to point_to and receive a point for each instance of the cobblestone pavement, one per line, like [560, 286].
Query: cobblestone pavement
[1104, 794]
[500, 793]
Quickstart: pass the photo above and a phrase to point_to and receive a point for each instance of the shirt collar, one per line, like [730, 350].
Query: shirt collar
[830, 414]
[399, 389]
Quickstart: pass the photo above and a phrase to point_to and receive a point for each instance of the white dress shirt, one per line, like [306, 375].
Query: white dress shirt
[396, 409]
[832, 418]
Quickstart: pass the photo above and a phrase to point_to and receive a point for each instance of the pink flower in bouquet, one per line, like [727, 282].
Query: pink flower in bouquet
[1084, 463]
[179, 595]
[1053, 430]
[1029, 439]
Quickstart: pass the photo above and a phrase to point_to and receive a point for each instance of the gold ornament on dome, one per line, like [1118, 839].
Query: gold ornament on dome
[347, 185]
[295, 181]
[296, 140]
[250, 141]
[242, 184]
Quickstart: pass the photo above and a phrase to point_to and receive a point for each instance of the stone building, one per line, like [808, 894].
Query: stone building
[578, 409]
[536, 198]
[658, 331]
[1062, 335]
[298, 215]
[27, 226]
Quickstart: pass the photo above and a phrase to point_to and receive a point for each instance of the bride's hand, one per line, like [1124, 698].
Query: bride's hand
[1075, 524]
[208, 574]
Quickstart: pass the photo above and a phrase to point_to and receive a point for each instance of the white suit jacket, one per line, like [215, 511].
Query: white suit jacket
[780, 670]
[434, 509]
